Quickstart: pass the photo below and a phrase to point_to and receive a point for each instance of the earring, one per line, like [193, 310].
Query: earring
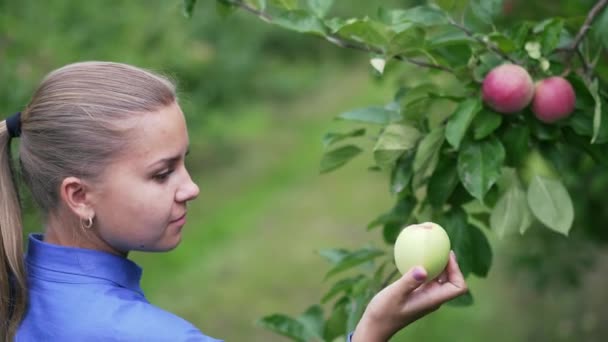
[88, 223]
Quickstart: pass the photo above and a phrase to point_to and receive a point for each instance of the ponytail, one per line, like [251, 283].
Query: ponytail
[13, 288]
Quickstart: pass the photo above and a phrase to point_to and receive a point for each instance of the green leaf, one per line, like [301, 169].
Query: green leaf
[393, 142]
[486, 10]
[356, 309]
[285, 4]
[372, 115]
[595, 151]
[459, 121]
[448, 35]
[551, 31]
[338, 157]
[511, 214]
[427, 155]
[284, 325]
[402, 174]
[449, 5]
[188, 7]
[363, 30]
[333, 137]
[257, 4]
[343, 285]
[396, 219]
[516, 142]
[299, 21]
[400, 19]
[313, 322]
[464, 300]
[470, 244]
[334, 255]
[503, 42]
[336, 323]
[443, 182]
[551, 204]
[597, 113]
[479, 165]
[601, 27]
[485, 123]
[354, 259]
[407, 41]
[320, 7]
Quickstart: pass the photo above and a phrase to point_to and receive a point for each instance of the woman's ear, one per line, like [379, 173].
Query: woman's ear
[76, 195]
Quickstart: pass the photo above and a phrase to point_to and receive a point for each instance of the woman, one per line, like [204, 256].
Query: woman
[102, 151]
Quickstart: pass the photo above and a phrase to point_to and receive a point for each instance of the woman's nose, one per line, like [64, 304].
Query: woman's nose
[187, 191]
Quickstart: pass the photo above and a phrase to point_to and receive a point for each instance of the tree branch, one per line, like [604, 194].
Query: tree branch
[587, 25]
[489, 45]
[345, 43]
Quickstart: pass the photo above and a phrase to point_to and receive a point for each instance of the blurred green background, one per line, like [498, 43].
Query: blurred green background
[258, 100]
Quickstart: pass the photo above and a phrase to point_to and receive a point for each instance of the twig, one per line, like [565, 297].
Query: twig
[345, 43]
[573, 48]
[356, 46]
[489, 45]
[587, 24]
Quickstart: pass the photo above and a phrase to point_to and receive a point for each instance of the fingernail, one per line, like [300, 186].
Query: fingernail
[419, 274]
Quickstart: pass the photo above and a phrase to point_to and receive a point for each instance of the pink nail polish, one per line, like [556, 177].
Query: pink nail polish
[419, 274]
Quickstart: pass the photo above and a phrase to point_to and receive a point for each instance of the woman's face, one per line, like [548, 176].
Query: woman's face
[140, 201]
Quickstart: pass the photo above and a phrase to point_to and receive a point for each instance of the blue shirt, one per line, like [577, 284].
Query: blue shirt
[80, 294]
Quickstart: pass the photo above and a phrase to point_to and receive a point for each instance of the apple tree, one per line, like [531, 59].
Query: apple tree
[499, 127]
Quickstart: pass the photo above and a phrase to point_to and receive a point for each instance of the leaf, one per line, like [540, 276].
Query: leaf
[551, 204]
[595, 151]
[356, 309]
[334, 255]
[401, 174]
[332, 137]
[443, 182]
[285, 4]
[257, 4]
[393, 142]
[372, 115]
[354, 259]
[486, 10]
[479, 165]
[464, 300]
[448, 35]
[551, 31]
[485, 123]
[313, 322]
[343, 285]
[511, 214]
[299, 21]
[424, 15]
[601, 27]
[459, 121]
[364, 30]
[188, 7]
[427, 155]
[284, 325]
[407, 41]
[336, 323]
[516, 143]
[448, 5]
[320, 7]
[338, 157]
[470, 244]
[597, 113]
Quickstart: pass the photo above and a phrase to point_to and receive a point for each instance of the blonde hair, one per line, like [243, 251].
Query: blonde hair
[71, 127]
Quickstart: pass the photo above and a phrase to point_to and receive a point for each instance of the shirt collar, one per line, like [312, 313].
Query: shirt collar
[83, 262]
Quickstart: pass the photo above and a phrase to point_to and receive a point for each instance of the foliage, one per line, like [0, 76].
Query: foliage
[449, 158]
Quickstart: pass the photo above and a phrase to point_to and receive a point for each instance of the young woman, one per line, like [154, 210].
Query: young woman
[102, 149]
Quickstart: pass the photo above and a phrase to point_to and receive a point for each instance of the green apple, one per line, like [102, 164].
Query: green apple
[425, 244]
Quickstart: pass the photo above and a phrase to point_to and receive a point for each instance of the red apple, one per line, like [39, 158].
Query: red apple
[554, 99]
[508, 88]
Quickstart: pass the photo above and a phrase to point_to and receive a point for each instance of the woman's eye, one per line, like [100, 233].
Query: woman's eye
[160, 177]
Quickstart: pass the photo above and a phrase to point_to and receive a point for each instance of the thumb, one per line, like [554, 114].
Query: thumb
[412, 279]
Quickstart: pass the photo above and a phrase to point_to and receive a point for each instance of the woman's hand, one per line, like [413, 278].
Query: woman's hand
[407, 300]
